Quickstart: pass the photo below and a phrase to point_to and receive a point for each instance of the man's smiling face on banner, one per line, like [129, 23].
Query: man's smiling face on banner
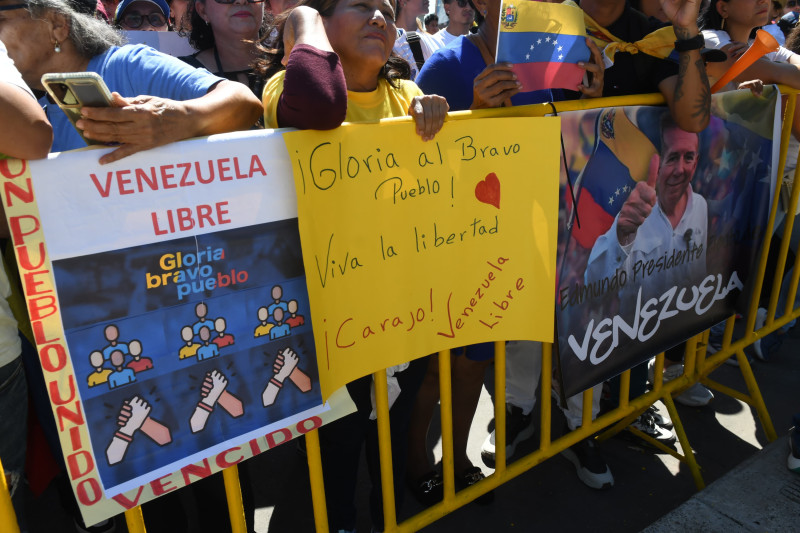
[678, 164]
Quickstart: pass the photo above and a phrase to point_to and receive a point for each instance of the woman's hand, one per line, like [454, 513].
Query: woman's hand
[145, 122]
[683, 16]
[429, 112]
[136, 124]
[734, 50]
[717, 69]
[496, 84]
[756, 86]
[595, 70]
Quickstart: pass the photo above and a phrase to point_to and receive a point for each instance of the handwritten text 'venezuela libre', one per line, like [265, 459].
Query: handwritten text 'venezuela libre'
[349, 331]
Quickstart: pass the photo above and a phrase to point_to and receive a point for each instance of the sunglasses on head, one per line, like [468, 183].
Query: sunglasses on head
[232, 1]
[135, 20]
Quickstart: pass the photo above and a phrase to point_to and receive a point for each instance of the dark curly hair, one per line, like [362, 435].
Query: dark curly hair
[396, 68]
[201, 36]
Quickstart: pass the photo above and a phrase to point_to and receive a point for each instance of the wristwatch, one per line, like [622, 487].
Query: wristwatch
[695, 43]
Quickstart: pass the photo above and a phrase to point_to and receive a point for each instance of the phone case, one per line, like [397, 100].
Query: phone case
[84, 89]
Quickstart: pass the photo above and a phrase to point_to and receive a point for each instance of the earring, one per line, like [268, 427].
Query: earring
[722, 28]
[57, 47]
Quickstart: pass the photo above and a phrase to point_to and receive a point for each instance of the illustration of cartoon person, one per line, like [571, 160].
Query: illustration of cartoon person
[213, 392]
[190, 348]
[222, 339]
[285, 366]
[111, 334]
[139, 363]
[263, 328]
[207, 350]
[201, 310]
[135, 415]
[280, 329]
[277, 294]
[100, 374]
[294, 320]
[121, 375]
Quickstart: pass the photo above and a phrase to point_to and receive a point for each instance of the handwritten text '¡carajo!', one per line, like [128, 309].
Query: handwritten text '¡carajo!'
[710, 290]
[349, 332]
[186, 174]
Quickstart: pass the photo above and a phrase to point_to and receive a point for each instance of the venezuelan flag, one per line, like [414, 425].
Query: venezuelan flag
[620, 158]
[544, 42]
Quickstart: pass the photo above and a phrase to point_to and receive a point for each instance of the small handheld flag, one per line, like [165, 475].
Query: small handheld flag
[544, 42]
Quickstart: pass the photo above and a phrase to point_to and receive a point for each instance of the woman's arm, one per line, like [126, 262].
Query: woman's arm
[314, 89]
[771, 72]
[145, 122]
[26, 133]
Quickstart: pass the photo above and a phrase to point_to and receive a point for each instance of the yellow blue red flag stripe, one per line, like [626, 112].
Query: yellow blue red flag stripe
[544, 42]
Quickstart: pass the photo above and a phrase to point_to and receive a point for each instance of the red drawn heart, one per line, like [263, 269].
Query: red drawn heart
[488, 190]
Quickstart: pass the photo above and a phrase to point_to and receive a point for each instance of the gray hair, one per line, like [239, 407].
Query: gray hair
[89, 35]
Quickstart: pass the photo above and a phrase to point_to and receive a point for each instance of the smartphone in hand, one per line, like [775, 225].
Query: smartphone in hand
[73, 90]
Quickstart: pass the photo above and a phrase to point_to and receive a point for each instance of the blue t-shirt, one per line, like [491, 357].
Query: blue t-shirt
[133, 70]
[108, 350]
[451, 71]
[207, 352]
[121, 377]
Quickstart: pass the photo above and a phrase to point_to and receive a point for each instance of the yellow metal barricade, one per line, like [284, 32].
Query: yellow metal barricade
[697, 367]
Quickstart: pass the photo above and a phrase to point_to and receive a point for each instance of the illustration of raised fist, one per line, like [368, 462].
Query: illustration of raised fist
[285, 363]
[132, 415]
[213, 386]
[212, 392]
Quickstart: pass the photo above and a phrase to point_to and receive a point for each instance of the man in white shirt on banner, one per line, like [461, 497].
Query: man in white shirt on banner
[662, 217]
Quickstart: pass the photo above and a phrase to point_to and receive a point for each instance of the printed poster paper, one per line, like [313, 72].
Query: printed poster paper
[629, 289]
[168, 304]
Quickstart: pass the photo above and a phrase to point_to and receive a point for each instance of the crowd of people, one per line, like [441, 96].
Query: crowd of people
[317, 64]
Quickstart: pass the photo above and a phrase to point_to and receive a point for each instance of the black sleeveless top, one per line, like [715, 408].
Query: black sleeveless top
[254, 81]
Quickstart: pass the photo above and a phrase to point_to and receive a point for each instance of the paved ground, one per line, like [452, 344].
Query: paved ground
[761, 494]
[549, 497]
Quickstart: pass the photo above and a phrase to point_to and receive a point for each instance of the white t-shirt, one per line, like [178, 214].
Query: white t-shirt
[718, 38]
[443, 38]
[403, 49]
[9, 73]
[429, 46]
[426, 42]
[776, 32]
[10, 344]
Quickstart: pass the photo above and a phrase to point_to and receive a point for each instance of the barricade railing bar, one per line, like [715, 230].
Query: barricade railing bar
[698, 364]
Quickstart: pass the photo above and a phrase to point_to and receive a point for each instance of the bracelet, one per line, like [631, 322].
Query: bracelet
[123, 436]
[695, 43]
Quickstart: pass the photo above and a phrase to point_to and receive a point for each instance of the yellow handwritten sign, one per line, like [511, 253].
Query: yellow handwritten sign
[414, 247]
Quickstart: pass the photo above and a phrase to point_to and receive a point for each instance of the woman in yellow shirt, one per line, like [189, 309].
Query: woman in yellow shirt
[338, 66]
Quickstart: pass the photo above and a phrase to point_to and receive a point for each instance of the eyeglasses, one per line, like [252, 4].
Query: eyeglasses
[232, 1]
[462, 3]
[13, 6]
[135, 20]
